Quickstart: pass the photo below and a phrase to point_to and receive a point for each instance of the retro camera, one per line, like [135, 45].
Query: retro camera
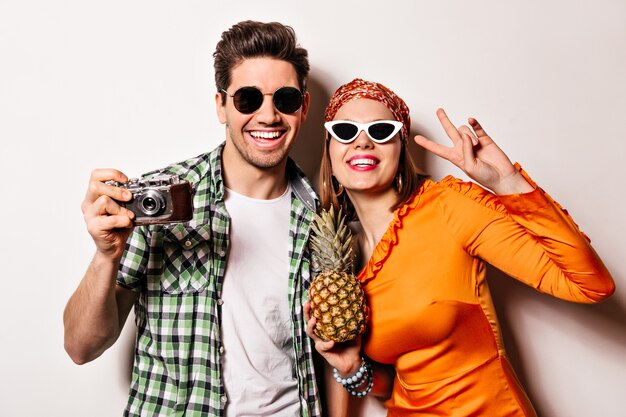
[158, 200]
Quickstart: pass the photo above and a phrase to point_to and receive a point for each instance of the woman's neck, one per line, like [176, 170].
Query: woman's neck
[375, 215]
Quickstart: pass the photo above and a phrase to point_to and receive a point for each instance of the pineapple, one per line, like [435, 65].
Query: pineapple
[336, 297]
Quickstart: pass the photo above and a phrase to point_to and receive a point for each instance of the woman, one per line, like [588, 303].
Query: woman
[423, 247]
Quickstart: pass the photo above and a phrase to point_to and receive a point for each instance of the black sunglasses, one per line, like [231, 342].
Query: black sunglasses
[247, 100]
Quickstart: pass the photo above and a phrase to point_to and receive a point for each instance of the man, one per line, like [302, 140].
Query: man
[218, 300]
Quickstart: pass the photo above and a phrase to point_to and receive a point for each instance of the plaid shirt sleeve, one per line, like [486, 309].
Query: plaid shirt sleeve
[134, 262]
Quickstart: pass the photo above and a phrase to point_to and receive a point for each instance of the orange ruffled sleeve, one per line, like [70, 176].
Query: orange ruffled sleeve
[534, 240]
[528, 236]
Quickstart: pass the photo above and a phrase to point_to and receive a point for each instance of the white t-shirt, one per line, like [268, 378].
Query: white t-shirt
[258, 359]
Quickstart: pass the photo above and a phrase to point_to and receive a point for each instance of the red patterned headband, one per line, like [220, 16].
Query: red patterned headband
[359, 88]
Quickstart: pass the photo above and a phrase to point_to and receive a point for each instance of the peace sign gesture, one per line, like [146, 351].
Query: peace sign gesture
[474, 152]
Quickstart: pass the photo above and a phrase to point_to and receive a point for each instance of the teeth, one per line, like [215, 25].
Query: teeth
[265, 135]
[362, 162]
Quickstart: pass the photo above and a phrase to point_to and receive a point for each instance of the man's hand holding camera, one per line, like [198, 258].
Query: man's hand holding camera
[108, 222]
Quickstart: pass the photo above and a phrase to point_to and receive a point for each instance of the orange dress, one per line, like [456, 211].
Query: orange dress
[431, 312]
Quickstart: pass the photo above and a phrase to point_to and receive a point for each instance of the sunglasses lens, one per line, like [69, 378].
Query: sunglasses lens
[381, 131]
[248, 100]
[288, 99]
[345, 131]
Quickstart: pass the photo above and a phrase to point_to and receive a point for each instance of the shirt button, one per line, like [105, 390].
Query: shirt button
[220, 301]
[223, 399]
[222, 253]
[188, 243]
[221, 349]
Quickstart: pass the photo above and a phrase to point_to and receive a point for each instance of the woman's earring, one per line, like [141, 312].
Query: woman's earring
[399, 183]
[340, 191]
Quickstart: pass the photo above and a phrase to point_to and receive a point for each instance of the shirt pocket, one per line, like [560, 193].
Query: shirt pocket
[186, 258]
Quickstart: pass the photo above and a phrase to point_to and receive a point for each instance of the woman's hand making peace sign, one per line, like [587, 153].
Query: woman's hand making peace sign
[474, 152]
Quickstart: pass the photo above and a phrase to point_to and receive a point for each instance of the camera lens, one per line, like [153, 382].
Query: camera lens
[151, 203]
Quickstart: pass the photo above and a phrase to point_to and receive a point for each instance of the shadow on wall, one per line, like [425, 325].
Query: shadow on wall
[605, 319]
[307, 151]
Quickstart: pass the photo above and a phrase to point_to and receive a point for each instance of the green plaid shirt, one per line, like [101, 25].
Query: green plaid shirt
[178, 271]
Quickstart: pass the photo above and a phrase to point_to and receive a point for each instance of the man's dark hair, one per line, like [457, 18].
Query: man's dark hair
[250, 39]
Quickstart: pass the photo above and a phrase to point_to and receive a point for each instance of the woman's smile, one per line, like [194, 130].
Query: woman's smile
[363, 162]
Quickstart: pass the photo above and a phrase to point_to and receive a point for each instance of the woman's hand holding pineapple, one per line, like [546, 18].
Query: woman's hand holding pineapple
[343, 356]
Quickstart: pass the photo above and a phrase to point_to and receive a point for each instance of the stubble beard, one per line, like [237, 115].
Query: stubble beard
[256, 158]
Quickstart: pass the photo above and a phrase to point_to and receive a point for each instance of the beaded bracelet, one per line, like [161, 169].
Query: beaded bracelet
[363, 374]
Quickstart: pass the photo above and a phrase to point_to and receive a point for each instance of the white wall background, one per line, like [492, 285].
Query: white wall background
[129, 84]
